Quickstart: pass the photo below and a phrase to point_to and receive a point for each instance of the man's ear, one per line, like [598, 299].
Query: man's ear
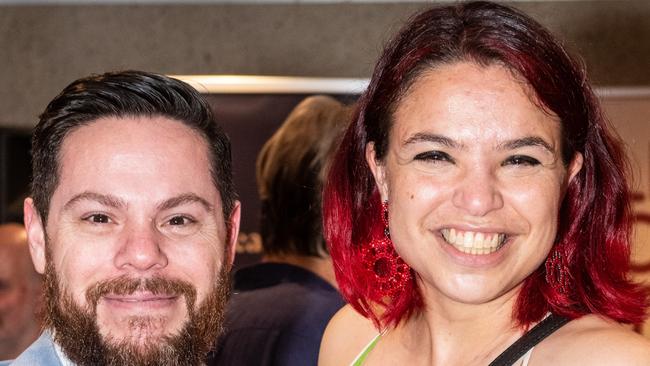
[235, 220]
[35, 235]
[378, 171]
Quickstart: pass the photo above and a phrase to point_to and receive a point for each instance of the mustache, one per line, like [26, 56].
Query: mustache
[126, 285]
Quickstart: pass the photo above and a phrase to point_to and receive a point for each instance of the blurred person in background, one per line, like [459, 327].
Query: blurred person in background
[20, 293]
[281, 306]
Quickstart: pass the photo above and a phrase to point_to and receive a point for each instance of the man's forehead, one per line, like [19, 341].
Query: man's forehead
[153, 158]
[153, 125]
[157, 134]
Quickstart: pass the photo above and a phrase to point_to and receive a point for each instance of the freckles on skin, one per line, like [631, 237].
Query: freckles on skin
[470, 151]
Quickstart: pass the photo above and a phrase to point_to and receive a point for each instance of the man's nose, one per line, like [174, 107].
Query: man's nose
[477, 192]
[141, 249]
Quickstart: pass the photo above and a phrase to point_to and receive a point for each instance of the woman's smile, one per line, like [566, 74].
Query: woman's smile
[475, 243]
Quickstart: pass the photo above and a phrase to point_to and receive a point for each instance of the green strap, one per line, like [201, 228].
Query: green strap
[362, 356]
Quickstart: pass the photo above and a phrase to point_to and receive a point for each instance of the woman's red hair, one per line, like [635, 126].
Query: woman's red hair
[595, 217]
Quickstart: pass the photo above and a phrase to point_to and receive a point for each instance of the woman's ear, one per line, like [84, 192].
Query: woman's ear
[378, 170]
[574, 166]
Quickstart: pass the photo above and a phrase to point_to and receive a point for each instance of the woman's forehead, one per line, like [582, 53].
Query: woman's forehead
[469, 102]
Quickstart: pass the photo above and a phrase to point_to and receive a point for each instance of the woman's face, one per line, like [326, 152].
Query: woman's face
[474, 179]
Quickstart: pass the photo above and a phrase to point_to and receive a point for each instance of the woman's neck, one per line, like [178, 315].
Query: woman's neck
[458, 333]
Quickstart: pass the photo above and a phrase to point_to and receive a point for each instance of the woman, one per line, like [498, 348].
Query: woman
[477, 199]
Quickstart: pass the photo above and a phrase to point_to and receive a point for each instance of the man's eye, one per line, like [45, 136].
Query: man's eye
[434, 156]
[180, 220]
[522, 160]
[98, 219]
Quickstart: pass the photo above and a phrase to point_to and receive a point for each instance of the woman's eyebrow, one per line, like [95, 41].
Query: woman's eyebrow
[432, 137]
[526, 142]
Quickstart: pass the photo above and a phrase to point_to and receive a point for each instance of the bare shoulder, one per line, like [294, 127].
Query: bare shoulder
[593, 340]
[345, 336]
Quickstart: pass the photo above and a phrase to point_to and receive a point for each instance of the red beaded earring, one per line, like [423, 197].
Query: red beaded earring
[557, 271]
[390, 272]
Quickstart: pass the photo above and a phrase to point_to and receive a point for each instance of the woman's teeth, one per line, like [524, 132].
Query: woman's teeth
[473, 243]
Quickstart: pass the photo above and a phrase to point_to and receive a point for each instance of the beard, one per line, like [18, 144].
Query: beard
[77, 332]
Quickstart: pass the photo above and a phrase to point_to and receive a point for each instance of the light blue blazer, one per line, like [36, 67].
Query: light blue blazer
[40, 353]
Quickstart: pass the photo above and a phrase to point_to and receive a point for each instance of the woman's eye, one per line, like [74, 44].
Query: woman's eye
[434, 156]
[98, 219]
[521, 160]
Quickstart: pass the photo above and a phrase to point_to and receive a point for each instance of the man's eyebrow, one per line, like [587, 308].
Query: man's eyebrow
[183, 199]
[435, 138]
[103, 199]
[525, 142]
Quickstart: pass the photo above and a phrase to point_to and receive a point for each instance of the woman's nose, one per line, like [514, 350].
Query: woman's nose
[477, 193]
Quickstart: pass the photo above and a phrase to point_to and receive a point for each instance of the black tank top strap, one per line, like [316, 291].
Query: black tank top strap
[535, 335]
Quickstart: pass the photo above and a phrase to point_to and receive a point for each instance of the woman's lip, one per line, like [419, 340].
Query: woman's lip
[474, 260]
[486, 229]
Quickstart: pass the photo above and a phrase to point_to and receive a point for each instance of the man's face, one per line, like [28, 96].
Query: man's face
[135, 236]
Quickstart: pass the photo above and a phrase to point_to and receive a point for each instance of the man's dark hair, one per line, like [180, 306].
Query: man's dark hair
[290, 174]
[120, 95]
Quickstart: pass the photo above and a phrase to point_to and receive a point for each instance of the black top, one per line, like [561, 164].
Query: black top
[537, 334]
[276, 316]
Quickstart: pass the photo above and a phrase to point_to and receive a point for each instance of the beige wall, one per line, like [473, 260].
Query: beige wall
[42, 48]
[631, 117]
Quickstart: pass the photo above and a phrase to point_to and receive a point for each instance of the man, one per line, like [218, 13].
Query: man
[20, 292]
[281, 306]
[132, 219]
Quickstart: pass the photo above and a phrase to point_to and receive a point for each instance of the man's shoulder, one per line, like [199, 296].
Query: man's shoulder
[41, 353]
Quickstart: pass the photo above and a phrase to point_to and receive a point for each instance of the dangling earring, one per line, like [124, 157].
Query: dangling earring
[390, 272]
[557, 271]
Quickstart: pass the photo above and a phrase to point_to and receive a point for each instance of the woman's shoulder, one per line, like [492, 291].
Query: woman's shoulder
[346, 335]
[593, 340]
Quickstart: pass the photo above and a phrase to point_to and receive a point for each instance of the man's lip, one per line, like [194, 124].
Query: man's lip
[140, 297]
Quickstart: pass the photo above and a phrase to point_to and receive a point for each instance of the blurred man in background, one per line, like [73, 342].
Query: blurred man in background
[20, 292]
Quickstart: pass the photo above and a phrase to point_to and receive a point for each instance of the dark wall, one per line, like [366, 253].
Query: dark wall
[43, 48]
[14, 172]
